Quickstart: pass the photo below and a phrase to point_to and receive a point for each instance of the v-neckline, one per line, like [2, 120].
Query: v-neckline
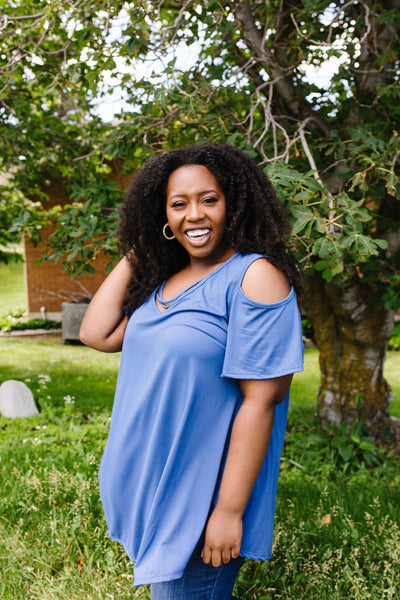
[167, 304]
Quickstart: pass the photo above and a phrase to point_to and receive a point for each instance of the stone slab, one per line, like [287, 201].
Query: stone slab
[72, 315]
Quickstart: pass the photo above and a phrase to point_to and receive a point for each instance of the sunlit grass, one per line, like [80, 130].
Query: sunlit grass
[336, 534]
[391, 372]
[12, 287]
[87, 375]
[305, 384]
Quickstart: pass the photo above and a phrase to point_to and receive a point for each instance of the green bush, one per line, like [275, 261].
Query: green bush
[333, 451]
[13, 322]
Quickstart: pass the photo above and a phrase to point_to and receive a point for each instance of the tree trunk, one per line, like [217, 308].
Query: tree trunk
[352, 336]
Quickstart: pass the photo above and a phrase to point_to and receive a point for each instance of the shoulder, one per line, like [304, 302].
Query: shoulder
[263, 282]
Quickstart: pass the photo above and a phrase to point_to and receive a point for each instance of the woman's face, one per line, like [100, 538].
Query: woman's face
[196, 213]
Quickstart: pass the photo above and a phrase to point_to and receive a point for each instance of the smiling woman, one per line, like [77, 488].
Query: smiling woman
[210, 332]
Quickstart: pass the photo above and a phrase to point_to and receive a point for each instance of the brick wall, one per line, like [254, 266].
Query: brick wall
[47, 287]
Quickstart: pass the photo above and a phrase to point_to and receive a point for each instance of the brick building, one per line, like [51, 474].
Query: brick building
[47, 287]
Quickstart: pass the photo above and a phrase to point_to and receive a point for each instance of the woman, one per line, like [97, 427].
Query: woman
[204, 310]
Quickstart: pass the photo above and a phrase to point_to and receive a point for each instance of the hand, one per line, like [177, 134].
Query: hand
[223, 537]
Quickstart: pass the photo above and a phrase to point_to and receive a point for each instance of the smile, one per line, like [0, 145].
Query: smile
[197, 234]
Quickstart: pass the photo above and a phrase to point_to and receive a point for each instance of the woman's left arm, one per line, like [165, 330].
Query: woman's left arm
[251, 433]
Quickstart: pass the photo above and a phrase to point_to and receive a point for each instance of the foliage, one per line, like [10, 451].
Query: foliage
[308, 331]
[335, 449]
[12, 322]
[332, 149]
[394, 343]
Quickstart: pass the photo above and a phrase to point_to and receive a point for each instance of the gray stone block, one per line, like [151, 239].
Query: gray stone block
[16, 400]
[72, 315]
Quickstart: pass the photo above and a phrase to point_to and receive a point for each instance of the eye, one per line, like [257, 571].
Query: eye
[178, 204]
[210, 200]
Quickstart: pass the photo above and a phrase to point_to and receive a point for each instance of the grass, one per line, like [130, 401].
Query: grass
[91, 376]
[13, 295]
[391, 372]
[76, 371]
[336, 533]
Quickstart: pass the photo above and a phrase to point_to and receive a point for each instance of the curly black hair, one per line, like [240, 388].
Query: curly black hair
[255, 218]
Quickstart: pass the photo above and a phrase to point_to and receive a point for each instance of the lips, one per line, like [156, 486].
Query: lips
[197, 234]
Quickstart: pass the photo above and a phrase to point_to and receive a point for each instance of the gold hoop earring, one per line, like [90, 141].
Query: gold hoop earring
[164, 232]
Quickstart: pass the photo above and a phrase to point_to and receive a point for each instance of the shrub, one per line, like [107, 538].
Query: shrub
[13, 322]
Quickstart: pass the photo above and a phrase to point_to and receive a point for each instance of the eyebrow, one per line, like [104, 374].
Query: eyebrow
[199, 194]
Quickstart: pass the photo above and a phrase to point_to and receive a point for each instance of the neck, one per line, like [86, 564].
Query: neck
[209, 262]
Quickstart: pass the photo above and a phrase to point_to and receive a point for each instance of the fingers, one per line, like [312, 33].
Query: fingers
[226, 555]
[215, 557]
[206, 555]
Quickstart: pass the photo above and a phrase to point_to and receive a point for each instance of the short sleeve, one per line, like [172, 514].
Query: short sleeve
[263, 340]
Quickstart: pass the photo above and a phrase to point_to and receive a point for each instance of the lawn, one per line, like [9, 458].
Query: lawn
[12, 296]
[90, 376]
[337, 532]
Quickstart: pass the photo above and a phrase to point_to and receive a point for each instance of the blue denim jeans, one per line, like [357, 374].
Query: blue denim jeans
[200, 581]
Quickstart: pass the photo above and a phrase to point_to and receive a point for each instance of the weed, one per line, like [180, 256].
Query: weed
[333, 450]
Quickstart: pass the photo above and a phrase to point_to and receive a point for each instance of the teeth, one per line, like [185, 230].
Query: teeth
[197, 233]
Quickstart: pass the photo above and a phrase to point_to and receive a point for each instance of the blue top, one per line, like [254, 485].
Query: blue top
[176, 398]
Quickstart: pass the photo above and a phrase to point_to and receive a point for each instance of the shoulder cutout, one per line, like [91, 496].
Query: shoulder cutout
[265, 283]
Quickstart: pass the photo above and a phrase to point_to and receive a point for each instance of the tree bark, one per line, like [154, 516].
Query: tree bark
[352, 336]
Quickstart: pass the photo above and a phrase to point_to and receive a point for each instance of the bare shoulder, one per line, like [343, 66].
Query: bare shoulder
[263, 282]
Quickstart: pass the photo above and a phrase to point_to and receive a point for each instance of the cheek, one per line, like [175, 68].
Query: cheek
[168, 215]
[222, 220]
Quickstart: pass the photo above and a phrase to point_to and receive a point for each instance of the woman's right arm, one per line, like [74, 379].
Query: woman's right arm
[104, 323]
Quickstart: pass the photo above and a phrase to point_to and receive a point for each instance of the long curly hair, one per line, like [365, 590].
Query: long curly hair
[255, 218]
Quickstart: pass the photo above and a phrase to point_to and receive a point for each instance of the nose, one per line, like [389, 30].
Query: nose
[195, 211]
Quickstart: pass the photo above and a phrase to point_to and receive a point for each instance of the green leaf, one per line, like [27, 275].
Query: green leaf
[346, 452]
[320, 265]
[303, 216]
[302, 196]
[326, 247]
[361, 245]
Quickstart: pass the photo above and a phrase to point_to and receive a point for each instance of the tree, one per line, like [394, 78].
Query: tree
[332, 150]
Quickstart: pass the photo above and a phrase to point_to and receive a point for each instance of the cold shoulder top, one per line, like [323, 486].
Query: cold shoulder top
[176, 398]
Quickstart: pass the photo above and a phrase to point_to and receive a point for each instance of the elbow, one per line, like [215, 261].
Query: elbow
[99, 342]
[84, 335]
[88, 336]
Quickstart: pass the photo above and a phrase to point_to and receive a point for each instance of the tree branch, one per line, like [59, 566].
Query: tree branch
[280, 75]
